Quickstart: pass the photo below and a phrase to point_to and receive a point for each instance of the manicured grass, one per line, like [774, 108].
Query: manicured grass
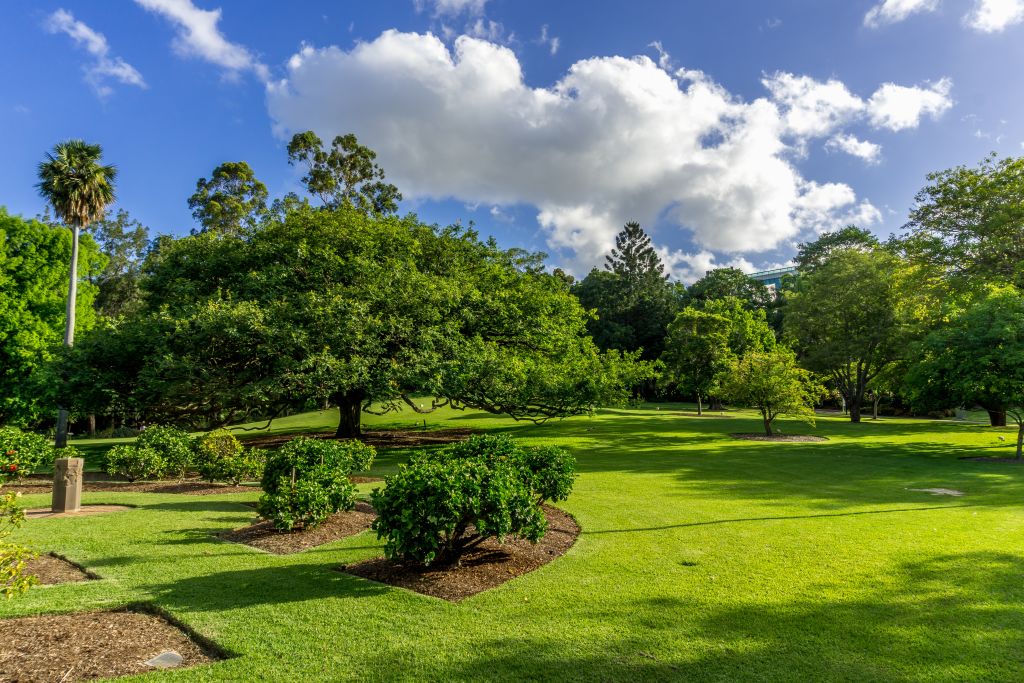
[702, 558]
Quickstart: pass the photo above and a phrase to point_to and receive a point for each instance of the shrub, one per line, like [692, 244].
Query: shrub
[174, 446]
[134, 462]
[306, 481]
[442, 504]
[13, 579]
[221, 457]
[21, 453]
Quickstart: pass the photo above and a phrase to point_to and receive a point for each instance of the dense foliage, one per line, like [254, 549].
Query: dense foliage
[134, 462]
[174, 447]
[440, 505]
[306, 481]
[222, 457]
[21, 453]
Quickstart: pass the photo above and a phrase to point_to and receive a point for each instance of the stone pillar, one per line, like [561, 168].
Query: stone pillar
[67, 484]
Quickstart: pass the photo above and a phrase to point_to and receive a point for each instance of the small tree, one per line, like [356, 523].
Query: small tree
[696, 352]
[231, 201]
[772, 382]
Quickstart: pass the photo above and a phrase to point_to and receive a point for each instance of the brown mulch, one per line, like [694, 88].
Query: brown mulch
[192, 487]
[379, 438]
[264, 536]
[797, 438]
[487, 566]
[52, 569]
[364, 480]
[90, 645]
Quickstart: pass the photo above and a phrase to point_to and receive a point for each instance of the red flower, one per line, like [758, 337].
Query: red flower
[12, 467]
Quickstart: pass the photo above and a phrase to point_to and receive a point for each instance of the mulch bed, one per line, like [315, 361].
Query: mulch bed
[90, 645]
[379, 438]
[192, 487]
[488, 565]
[264, 536]
[796, 438]
[52, 569]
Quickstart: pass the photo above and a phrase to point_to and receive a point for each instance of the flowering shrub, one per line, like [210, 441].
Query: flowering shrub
[21, 453]
[222, 457]
[173, 445]
[442, 504]
[306, 481]
[13, 579]
[134, 462]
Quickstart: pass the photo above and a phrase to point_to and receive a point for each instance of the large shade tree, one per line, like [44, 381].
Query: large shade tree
[976, 358]
[368, 312]
[845, 319]
[79, 187]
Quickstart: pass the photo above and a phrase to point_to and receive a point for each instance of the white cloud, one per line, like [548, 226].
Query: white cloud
[851, 144]
[992, 16]
[552, 42]
[199, 36]
[104, 67]
[689, 268]
[813, 108]
[898, 107]
[451, 7]
[892, 11]
[613, 140]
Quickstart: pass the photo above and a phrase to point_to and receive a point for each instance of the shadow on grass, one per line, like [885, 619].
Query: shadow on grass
[943, 619]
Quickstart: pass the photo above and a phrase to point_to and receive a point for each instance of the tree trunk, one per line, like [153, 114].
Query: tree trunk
[767, 424]
[874, 407]
[854, 406]
[92, 425]
[716, 405]
[700, 407]
[350, 407]
[997, 418]
[1020, 438]
[61, 440]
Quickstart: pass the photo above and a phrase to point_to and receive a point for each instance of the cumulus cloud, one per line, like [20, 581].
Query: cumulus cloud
[892, 11]
[199, 36]
[104, 66]
[614, 139]
[451, 7]
[898, 107]
[813, 108]
[852, 145]
[688, 268]
[992, 16]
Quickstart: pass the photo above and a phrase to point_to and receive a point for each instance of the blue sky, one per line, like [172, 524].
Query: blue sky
[731, 130]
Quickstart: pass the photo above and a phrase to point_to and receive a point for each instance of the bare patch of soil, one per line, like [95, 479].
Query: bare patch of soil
[364, 480]
[993, 458]
[264, 536]
[84, 511]
[379, 438]
[52, 569]
[90, 645]
[794, 438]
[487, 566]
[192, 487]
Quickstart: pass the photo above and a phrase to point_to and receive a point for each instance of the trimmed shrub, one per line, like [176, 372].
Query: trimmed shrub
[173, 445]
[221, 457]
[442, 504]
[134, 462]
[21, 453]
[306, 481]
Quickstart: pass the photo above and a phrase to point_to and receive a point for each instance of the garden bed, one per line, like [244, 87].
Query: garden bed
[90, 645]
[379, 438]
[264, 536]
[791, 438]
[487, 566]
[51, 569]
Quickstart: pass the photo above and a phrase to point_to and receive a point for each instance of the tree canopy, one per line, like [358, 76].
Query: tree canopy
[730, 282]
[231, 201]
[344, 175]
[813, 254]
[773, 383]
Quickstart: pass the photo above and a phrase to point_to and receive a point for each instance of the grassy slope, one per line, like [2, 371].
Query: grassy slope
[702, 558]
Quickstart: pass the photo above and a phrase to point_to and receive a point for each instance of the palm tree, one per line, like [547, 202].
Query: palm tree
[79, 188]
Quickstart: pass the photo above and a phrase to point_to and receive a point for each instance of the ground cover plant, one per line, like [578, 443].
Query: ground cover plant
[701, 558]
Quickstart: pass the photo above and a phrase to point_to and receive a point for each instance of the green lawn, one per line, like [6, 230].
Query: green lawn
[702, 558]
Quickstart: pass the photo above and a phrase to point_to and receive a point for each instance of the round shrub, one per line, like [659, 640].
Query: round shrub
[221, 457]
[21, 453]
[134, 462]
[174, 445]
[306, 481]
[440, 505]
